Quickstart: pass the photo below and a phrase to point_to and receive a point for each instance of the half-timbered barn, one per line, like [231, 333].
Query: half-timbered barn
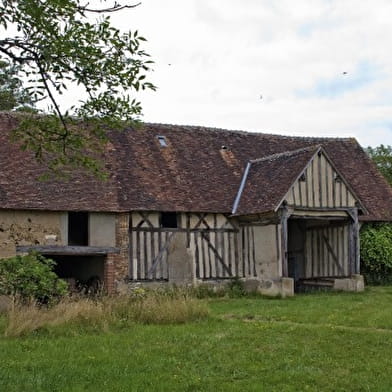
[188, 205]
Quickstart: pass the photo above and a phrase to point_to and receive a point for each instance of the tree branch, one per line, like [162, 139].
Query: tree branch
[57, 109]
[116, 7]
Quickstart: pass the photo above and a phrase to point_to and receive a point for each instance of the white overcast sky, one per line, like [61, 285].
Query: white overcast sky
[273, 66]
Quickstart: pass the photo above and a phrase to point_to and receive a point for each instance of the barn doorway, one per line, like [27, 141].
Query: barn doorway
[296, 250]
[83, 273]
[317, 252]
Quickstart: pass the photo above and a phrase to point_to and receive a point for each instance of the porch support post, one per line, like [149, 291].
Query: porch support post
[284, 239]
[354, 246]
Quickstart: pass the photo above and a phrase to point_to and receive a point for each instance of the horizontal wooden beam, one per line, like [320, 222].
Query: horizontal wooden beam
[177, 230]
[68, 250]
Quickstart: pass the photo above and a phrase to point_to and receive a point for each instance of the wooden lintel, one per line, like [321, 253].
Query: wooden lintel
[68, 250]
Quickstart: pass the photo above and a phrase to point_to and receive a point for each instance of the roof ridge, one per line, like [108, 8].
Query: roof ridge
[286, 153]
[192, 128]
[238, 131]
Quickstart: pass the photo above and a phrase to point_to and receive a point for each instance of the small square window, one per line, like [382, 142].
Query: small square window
[162, 141]
[169, 220]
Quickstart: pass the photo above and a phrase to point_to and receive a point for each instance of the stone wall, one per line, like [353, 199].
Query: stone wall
[29, 228]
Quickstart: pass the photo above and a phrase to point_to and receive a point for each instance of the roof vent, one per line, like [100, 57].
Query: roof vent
[224, 147]
[162, 141]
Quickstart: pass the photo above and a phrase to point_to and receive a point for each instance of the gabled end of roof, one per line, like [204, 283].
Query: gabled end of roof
[275, 186]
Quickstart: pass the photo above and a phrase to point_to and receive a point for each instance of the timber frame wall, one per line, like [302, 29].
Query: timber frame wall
[219, 247]
[329, 250]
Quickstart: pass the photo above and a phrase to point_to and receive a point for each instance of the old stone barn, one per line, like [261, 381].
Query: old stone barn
[191, 205]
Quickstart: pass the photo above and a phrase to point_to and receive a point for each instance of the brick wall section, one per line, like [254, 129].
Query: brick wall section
[116, 265]
[108, 273]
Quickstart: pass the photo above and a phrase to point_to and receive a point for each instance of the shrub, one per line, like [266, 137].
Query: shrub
[31, 277]
[376, 253]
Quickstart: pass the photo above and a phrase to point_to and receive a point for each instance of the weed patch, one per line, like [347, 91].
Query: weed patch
[104, 313]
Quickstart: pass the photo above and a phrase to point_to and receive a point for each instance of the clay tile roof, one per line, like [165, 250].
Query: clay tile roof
[268, 179]
[200, 169]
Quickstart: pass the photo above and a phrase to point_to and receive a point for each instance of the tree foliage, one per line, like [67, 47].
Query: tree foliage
[376, 252]
[31, 277]
[382, 157]
[376, 239]
[56, 45]
[12, 93]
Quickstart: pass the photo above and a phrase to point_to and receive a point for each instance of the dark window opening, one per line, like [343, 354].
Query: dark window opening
[169, 220]
[78, 228]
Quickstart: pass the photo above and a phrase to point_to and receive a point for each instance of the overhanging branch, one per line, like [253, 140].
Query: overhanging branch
[116, 7]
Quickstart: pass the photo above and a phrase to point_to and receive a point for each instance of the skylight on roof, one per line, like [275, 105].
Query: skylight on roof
[162, 141]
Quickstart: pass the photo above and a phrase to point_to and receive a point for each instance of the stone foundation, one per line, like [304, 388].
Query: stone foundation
[355, 283]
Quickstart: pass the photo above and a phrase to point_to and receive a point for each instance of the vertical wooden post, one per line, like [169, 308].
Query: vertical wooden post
[354, 246]
[284, 235]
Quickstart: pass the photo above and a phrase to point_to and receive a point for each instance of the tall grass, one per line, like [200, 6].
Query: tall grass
[104, 313]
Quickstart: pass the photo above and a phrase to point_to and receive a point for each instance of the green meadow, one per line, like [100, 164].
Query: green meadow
[312, 342]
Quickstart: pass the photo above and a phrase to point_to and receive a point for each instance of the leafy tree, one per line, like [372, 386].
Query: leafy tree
[376, 238]
[57, 45]
[382, 157]
[12, 93]
[376, 252]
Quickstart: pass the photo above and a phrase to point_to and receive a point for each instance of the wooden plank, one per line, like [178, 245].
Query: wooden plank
[254, 253]
[196, 255]
[184, 230]
[138, 255]
[293, 200]
[307, 187]
[320, 181]
[328, 204]
[188, 226]
[203, 259]
[210, 264]
[159, 258]
[223, 251]
[236, 255]
[332, 253]
[145, 255]
[277, 242]
[229, 252]
[284, 236]
[152, 250]
[248, 250]
[300, 193]
[217, 255]
[243, 250]
[334, 204]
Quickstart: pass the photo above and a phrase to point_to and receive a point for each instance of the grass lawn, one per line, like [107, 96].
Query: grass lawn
[313, 342]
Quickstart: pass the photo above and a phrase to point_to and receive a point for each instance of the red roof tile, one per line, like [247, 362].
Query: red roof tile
[193, 173]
